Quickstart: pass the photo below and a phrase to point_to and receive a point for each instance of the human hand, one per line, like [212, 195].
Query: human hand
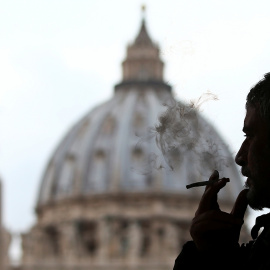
[212, 228]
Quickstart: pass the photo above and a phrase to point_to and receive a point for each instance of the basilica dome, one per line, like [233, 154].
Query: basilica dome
[113, 194]
[102, 153]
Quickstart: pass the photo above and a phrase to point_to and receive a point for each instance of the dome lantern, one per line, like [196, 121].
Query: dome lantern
[142, 62]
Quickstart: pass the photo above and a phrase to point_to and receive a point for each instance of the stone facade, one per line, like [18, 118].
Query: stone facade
[127, 231]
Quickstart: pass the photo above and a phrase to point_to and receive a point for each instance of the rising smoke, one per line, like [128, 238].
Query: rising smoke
[180, 131]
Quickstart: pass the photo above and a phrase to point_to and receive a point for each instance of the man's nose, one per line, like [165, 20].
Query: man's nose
[241, 156]
[238, 158]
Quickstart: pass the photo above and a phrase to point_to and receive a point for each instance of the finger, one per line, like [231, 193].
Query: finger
[209, 198]
[240, 205]
[212, 190]
[214, 216]
[215, 187]
[214, 176]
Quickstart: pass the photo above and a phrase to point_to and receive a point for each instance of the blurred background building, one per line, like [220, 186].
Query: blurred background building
[108, 198]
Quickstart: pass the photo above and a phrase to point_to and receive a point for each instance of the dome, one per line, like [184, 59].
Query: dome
[113, 195]
[105, 151]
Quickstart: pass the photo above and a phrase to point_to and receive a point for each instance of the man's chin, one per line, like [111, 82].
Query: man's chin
[254, 199]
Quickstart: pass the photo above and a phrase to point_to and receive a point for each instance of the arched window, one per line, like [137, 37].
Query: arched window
[123, 237]
[87, 236]
[65, 182]
[52, 240]
[98, 171]
[146, 239]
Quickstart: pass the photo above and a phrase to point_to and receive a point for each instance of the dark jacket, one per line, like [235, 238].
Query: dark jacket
[254, 255]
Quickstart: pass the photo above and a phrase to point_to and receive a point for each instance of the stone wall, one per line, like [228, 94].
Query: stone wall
[127, 231]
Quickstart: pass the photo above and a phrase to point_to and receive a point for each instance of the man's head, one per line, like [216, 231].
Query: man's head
[259, 95]
[254, 154]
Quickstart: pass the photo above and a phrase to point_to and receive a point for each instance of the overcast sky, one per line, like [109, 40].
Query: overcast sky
[60, 58]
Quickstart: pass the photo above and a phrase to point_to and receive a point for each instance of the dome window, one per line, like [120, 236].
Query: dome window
[108, 125]
[65, 184]
[137, 154]
[83, 129]
[138, 122]
[100, 154]
[96, 180]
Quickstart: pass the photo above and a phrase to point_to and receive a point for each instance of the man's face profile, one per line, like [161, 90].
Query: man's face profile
[254, 158]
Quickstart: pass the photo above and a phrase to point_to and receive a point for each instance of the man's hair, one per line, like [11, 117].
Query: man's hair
[259, 96]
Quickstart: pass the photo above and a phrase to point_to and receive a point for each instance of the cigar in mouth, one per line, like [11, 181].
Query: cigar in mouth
[202, 183]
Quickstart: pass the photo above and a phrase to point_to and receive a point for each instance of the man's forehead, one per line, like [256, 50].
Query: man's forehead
[253, 119]
[251, 113]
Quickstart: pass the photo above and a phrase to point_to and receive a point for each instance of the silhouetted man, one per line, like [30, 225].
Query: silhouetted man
[215, 233]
